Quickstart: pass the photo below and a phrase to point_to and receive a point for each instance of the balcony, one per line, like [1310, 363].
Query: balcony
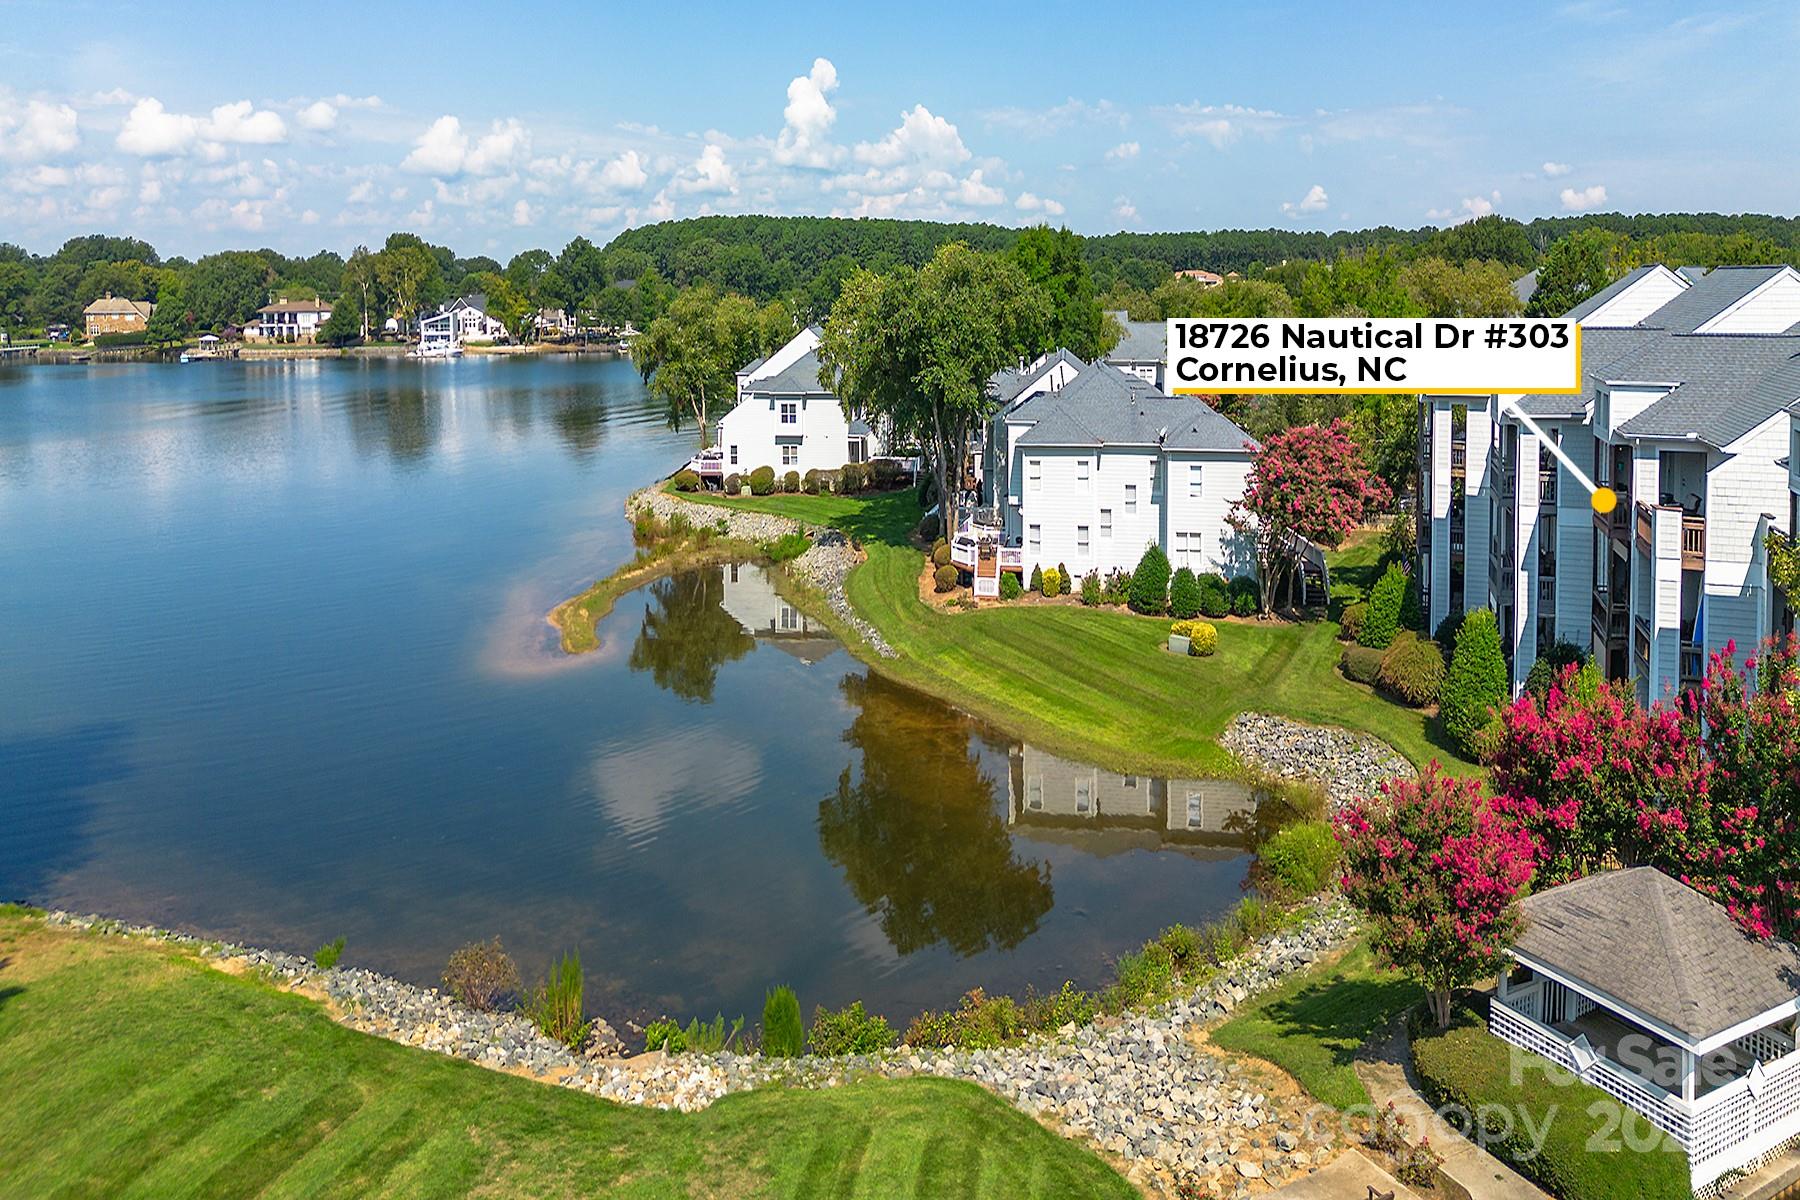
[1546, 595]
[1640, 642]
[1693, 664]
[1693, 542]
[1546, 564]
[1459, 460]
[1616, 523]
[1609, 618]
[1547, 486]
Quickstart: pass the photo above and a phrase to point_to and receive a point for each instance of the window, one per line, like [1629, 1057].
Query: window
[1195, 812]
[1081, 470]
[790, 413]
[734, 454]
[1131, 781]
[790, 617]
[790, 454]
[1194, 481]
[1034, 473]
[1155, 476]
[1034, 792]
[1106, 523]
[1037, 539]
[1084, 796]
[1131, 497]
[1081, 540]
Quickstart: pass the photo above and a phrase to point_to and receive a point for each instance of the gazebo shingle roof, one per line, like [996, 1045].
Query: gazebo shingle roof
[1659, 947]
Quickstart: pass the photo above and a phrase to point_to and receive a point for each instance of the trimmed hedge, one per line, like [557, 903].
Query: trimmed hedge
[1383, 621]
[1361, 664]
[733, 484]
[762, 481]
[1010, 587]
[685, 480]
[1350, 621]
[1215, 595]
[1150, 582]
[1413, 670]
[790, 482]
[1184, 596]
[1050, 583]
[1467, 1073]
[1202, 636]
[1476, 683]
[945, 578]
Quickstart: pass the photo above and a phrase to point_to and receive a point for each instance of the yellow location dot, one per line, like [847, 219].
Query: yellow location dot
[1605, 500]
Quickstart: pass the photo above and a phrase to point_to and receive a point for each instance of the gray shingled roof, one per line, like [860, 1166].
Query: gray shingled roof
[800, 378]
[1106, 406]
[1728, 384]
[1525, 286]
[1006, 385]
[1601, 348]
[1709, 293]
[1660, 948]
[1144, 341]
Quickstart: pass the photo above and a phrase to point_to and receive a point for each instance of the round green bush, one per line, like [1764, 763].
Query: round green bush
[1350, 621]
[1383, 621]
[1361, 664]
[733, 484]
[809, 482]
[940, 554]
[1476, 684]
[849, 1031]
[930, 527]
[1215, 597]
[685, 480]
[1413, 669]
[1184, 596]
[1244, 605]
[790, 482]
[1243, 587]
[850, 477]
[1300, 860]
[1010, 587]
[944, 579]
[1150, 582]
[762, 481]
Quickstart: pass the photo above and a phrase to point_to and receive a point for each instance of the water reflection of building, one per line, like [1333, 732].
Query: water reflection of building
[1109, 812]
[751, 598]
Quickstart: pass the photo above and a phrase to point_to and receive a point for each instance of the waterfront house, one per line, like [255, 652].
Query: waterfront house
[1142, 351]
[288, 321]
[470, 321]
[1687, 376]
[1206, 279]
[784, 417]
[116, 314]
[1087, 465]
[553, 323]
[1650, 992]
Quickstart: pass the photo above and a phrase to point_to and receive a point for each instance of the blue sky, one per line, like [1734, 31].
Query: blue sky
[205, 128]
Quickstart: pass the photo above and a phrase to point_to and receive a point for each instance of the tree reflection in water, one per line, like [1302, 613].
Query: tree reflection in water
[918, 834]
[687, 635]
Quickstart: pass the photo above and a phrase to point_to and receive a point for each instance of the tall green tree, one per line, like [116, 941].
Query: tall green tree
[1052, 259]
[691, 354]
[1578, 266]
[915, 350]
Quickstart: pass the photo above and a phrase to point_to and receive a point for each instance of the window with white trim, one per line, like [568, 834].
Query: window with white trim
[1193, 481]
[790, 413]
[1081, 540]
[734, 461]
[1037, 539]
[1105, 523]
[1034, 474]
[790, 454]
[1081, 470]
[1034, 792]
[1131, 497]
[1084, 796]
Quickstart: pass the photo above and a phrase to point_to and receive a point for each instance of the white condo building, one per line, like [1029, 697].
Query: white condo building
[1688, 376]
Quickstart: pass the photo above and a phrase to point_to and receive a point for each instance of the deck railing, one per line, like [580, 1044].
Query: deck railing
[1693, 542]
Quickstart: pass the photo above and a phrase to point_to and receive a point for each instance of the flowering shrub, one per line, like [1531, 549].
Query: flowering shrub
[1438, 871]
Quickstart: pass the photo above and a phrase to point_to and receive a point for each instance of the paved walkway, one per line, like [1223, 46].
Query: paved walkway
[1350, 1176]
[1387, 1074]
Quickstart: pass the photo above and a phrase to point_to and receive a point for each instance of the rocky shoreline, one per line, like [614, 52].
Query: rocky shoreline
[1347, 765]
[825, 565]
[1137, 1086]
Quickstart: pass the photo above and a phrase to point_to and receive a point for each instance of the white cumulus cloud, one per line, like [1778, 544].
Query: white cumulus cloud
[319, 116]
[1556, 170]
[974, 190]
[921, 137]
[1124, 151]
[624, 173]
[1031, 202]
[1583, 199]
[710, 173]
[243, 122]
[152, 131]
[809, 115]
[445, 151]
[36, 130]
[1472, 208]
[1315, 201]
[522, 214]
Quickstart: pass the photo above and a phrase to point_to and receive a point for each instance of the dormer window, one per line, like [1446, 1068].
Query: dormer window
[790, 412]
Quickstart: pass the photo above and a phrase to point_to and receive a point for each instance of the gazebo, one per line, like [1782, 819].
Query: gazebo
[1650, 992]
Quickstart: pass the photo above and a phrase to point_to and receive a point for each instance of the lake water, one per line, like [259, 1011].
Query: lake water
[273, 667]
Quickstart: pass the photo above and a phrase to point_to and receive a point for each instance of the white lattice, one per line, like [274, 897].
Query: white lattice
[1660, 1110]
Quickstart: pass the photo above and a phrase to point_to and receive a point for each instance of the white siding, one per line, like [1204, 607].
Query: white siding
[1650, 292]
[820, 435]
[1772, 308]
[1213, 544]
[1575, 541]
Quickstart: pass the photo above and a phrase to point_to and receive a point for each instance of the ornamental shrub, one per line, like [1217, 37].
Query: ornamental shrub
[1549, 666]
[1204, 641]
[1413, 670]
[1244, 606]
[849, 1031]
[783, 1034]
[1350, 622]
[555, 1007]
[1010, 587]
[850, 478]
[1090, 589]
[483, 976]
[326, 956]
[1299, 860]
[1065, 582]
[940, 554]
[1476, 684]
[685, 480]
[1215, 596]
[762, 481]
[1383, 621]
[733, 484]
[809, 482]
[1150, 582]
[790, 482]
[1184, 595]
[1246, 597]
[1037, 579]
[1411, 615]
[944, 578]
[1361, 664]
[1050, 583]
[1116, 587]
[1447, 629]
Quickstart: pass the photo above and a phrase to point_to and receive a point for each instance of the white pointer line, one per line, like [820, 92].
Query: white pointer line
[1548, 442]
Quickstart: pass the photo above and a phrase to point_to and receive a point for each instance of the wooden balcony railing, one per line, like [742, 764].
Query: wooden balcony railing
[1609, 618]
[1547, 486]
[1693, 543]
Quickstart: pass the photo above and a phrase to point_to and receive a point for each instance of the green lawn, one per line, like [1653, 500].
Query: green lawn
[1095, 683]
[1312, 1026]
[131, 1070]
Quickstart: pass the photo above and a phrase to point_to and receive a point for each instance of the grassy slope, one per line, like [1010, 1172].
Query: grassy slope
[1094, 683]
[131, 1070]
[1312, 1026]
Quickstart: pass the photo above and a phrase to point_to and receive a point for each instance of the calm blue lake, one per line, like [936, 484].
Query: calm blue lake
[274, 667]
